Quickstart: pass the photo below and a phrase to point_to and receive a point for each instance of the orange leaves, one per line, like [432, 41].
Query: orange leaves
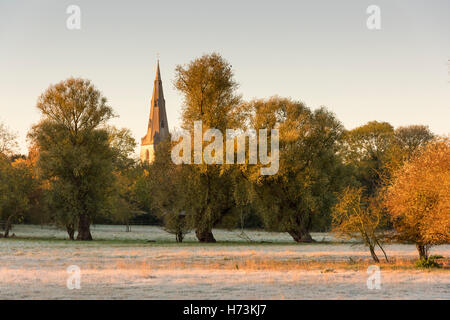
[418, 198]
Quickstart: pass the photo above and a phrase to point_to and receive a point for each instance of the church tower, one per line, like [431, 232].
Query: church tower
[158, 128]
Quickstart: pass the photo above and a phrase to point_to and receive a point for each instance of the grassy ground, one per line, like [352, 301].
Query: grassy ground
[124, 265]
[153, 234]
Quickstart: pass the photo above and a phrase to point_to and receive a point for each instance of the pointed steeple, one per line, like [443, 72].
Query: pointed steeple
[158, 74]
[158, 94]
[158, 128]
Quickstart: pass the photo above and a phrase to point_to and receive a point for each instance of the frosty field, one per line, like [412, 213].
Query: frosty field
[125, 265]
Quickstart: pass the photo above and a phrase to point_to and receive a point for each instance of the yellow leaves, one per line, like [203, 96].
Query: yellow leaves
[353, 213]
[418, 198]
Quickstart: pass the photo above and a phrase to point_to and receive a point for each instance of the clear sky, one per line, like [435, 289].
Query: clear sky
[320, 52]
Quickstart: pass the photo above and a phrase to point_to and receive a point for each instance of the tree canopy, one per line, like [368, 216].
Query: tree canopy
[418, 197]
[310, 170]
[209, 95]
[75, 152]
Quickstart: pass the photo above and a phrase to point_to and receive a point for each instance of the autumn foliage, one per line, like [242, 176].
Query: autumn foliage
[418, 197]
[361, 217]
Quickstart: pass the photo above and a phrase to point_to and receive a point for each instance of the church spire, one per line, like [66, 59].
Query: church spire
[158, 128]
[158, 74]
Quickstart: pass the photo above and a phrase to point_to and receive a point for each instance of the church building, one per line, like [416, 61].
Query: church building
[158, 128]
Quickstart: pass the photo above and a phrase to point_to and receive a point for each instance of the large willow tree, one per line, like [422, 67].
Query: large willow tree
[75, 155]
[302, 192]
[209, 95]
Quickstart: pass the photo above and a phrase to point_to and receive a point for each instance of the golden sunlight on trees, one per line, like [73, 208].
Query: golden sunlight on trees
[16, 188]
[16, 181]
[367, 149]
[75, 155]
[411, 138]
[418, 197]
[302, 192]
[360, 182]
[408, 141]
[356, 216]
[209, 94]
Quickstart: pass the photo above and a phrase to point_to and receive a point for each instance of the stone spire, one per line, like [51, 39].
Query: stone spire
[158, 128]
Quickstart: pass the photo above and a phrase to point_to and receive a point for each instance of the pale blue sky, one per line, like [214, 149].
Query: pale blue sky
[320, 52]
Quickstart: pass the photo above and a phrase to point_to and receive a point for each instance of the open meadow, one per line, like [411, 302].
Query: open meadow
[146, 263]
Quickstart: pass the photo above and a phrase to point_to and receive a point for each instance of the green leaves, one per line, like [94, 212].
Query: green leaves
[310, 168]
[209, 92]
[76, 105]
[77, 154]
[16, 187]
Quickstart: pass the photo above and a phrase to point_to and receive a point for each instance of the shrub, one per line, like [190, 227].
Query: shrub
[428, 263]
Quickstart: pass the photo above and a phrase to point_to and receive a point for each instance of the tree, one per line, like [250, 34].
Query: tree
[209, 92]
[175, 223]
[310, 169]
[17, 183]
[418, 197]
[16, 186]
[368, 149]
[8, 141]
[164, 189]
[356, 216]
[407, 142]
[411, 138]
[122, 142]
[127, 170]
[209, 95]
[75, 154]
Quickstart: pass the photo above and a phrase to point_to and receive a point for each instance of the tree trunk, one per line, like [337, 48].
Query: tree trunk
[84, 228]
[384, 252]
[373, 254]
[205, 235]
[71, 231]
[300, 225]
[300, 236]
[423, 251]
[179, 236]
[8, 226]
[6, 234]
